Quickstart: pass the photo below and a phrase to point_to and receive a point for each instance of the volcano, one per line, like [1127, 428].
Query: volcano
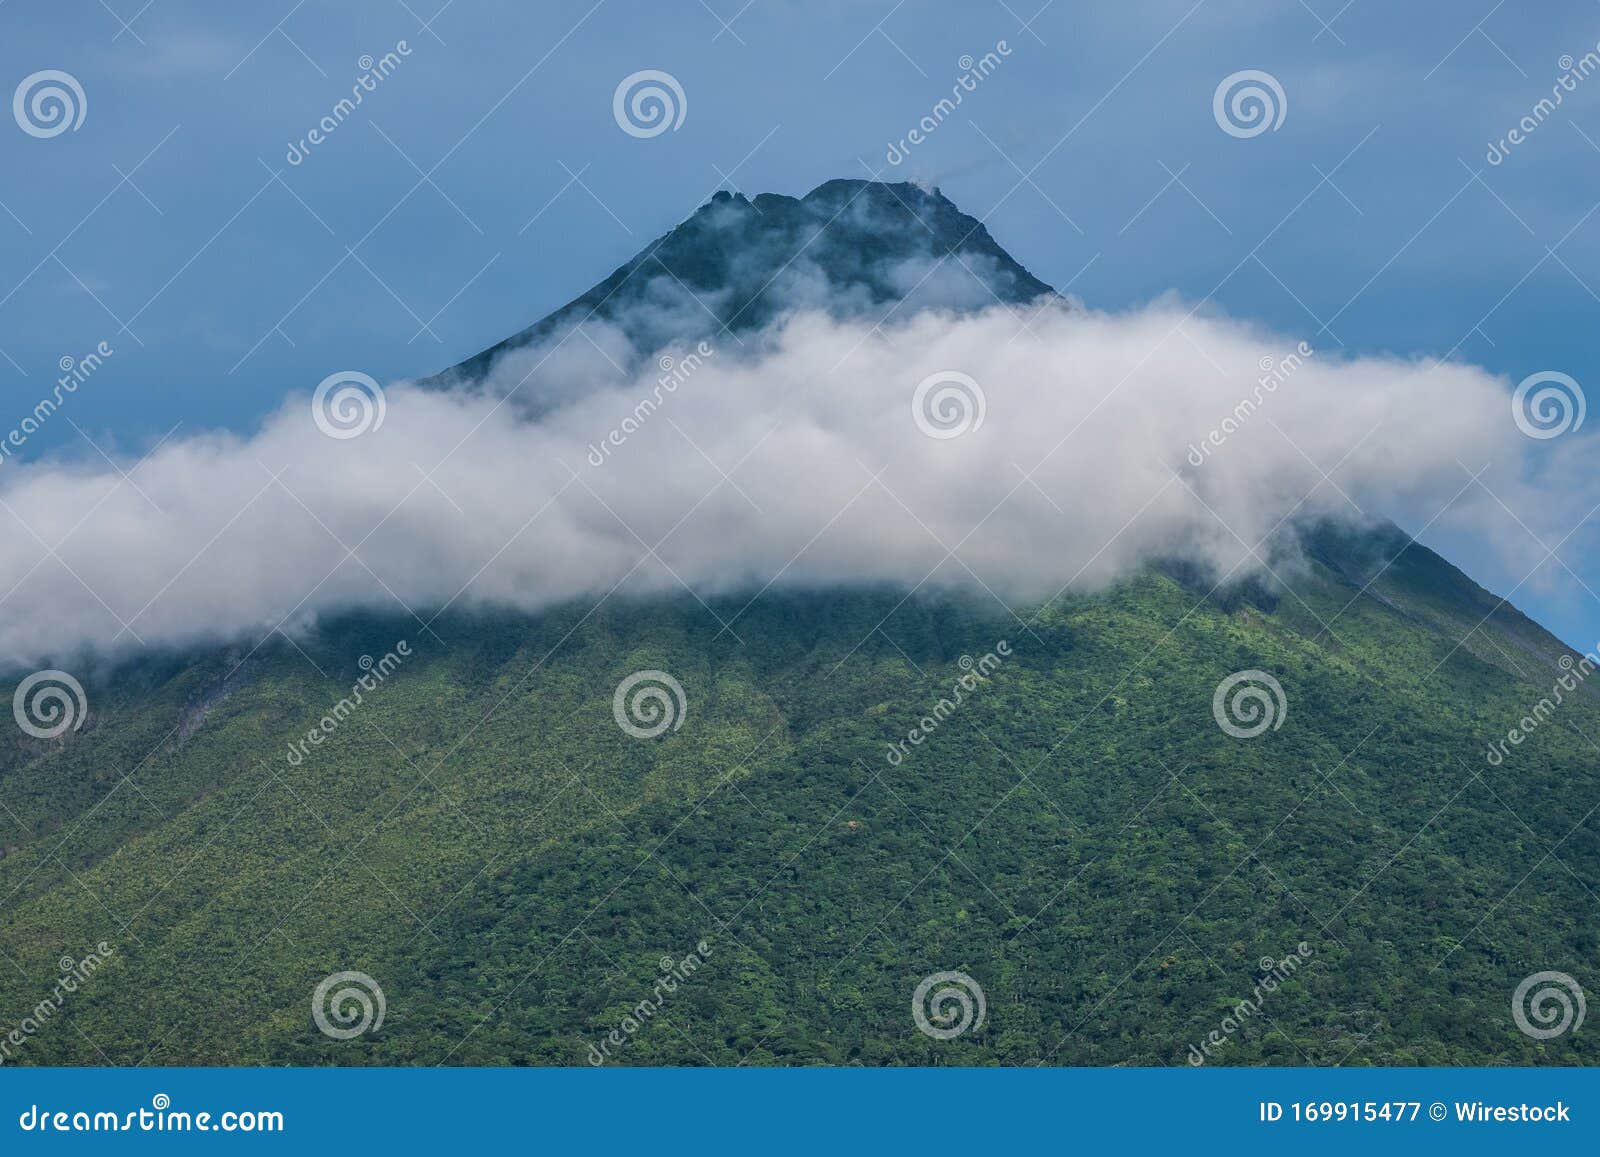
[1274, 821]
[855, 247]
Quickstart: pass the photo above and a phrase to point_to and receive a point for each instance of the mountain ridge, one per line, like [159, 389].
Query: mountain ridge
[735, 262]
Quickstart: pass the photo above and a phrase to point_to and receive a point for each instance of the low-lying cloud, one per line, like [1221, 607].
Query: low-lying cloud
[793, 458]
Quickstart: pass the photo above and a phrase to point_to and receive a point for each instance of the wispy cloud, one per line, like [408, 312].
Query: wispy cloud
[794, 460]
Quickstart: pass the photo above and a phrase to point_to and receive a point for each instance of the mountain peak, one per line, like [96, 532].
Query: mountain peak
[849, 247]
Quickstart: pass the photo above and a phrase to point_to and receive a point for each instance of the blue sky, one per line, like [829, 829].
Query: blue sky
[486, 182]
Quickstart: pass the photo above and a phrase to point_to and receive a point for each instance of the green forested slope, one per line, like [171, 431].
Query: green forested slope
[1078, 836]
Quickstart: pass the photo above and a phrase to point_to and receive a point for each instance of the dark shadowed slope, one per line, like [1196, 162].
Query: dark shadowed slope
[848, 246]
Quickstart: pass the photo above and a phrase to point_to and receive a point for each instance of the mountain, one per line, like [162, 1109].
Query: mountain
[856, 246]
[771, 875]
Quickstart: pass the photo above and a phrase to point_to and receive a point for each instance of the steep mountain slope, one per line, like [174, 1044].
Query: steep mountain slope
[851, 246]
[1079, 836]
[1075, 830]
